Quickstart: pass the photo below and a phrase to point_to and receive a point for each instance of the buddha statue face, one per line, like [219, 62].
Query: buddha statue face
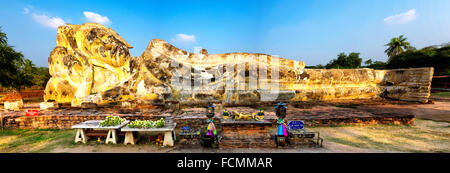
[92, 63]
[107, 48]
[88, 59]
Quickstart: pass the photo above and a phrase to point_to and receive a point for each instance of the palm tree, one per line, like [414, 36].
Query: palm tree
[3, 38]
[396, 46]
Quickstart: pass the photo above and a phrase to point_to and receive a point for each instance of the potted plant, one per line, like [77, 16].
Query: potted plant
[260, 115]
[225, 115]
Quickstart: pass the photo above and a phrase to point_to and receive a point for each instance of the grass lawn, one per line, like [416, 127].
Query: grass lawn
[41, 140]
[441, 94]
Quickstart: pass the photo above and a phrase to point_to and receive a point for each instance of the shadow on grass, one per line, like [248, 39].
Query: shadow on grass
[39, 140]
[394, 138]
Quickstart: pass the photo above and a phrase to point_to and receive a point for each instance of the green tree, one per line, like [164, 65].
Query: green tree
[3, 38]
[368, 62]
[345, 62]
[24, 75]
[41, 76]
[16, 71]
[319, 66]
[437, 57]
[396, 46]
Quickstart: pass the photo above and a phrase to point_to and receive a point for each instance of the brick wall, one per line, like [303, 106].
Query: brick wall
[20, 121]
[246, 136]
[412, 84]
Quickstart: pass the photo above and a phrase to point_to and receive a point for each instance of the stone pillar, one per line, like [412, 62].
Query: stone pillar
[13, 105]
[48, 105]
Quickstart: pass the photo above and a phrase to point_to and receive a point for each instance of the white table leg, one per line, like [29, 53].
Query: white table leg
[174, 135]
[111, 137]
[129, 138]
[168, 139]
[80, 136]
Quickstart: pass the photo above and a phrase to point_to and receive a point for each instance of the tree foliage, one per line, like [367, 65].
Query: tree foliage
[344, 61]
[9, 61]
[401, 55]
[319, 66]
[41, 76]
[396, 46]
[433, 56]
[3, 38]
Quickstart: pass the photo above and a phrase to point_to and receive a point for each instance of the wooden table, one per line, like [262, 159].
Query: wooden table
[168, 130]
[95, 125]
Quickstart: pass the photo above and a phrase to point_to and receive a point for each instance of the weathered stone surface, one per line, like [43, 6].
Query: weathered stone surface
[92, 64]
[407, 84]
[87, 59]
[126, 105]
[13, 105]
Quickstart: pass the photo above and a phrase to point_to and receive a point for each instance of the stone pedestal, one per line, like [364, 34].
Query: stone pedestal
[126, 105]
[13, 105]
[246, 134]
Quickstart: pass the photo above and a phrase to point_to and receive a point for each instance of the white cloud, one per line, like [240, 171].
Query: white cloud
[97, 18]
[401, 18]
[52, 22]
[183, 39]
[26, 10]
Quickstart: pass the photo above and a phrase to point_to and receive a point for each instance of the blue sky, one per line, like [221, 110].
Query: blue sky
[312, 31]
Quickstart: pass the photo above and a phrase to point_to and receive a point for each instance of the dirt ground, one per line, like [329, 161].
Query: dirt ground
[331, 148]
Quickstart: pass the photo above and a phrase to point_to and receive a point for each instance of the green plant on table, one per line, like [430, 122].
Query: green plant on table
[112, 121]
[160, 123]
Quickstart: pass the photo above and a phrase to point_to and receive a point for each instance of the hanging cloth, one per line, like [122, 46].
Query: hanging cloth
[211, 129]
[281, 128]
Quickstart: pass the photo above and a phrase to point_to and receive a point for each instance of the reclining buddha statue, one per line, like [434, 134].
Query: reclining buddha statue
[92, 63]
